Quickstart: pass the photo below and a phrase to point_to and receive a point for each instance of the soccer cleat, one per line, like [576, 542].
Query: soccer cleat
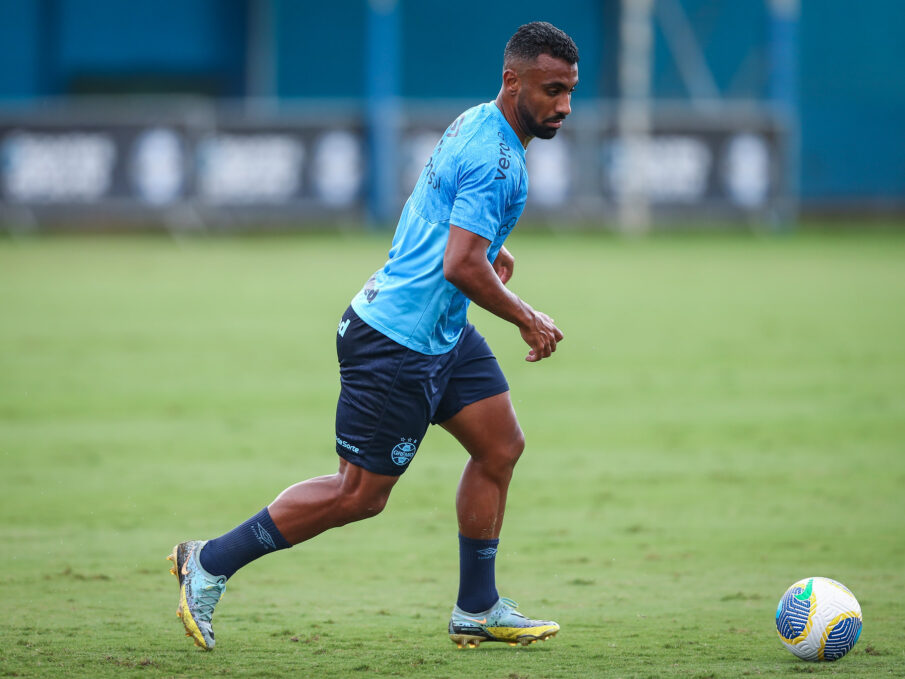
[199, 592]
[502, 622]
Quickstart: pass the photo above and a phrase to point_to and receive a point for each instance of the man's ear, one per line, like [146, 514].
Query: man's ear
[511, 82]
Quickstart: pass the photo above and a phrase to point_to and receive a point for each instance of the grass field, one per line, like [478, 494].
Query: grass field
[725, 416]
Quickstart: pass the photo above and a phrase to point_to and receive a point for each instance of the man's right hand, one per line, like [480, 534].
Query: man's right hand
[465, 265]
[541, 334]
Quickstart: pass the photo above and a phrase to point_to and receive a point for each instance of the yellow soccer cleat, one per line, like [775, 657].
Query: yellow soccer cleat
[199, 592]
[502, 622]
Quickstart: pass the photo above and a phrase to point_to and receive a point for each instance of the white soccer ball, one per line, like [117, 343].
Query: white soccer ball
[818, 619]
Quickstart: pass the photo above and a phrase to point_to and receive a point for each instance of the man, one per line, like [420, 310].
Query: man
[408, 357]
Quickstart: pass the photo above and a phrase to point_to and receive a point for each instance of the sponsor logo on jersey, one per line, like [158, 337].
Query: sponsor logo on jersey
[370, 290]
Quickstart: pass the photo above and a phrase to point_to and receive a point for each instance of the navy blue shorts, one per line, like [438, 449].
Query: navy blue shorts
[390, 394]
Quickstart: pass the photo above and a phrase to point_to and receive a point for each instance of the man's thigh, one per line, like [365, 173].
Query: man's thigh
[489, 430]
[387, 396]
[475, 375]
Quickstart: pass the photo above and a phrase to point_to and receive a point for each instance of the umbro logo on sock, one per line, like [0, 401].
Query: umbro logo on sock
[263, 536]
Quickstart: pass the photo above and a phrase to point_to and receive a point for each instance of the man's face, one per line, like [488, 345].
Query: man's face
[544, 98]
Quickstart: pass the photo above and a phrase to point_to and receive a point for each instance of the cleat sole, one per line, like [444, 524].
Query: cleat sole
[466, 640]
[526, 640]
[463, 641]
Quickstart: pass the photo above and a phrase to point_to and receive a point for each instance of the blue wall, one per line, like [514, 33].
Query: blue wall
[851, 95]
[732, 37]
[852, 98]
[456, 49]
[63, 43]
[320, 48]
[446, 53]
[20, 36]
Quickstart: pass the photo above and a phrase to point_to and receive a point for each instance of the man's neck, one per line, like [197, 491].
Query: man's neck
[507, 108]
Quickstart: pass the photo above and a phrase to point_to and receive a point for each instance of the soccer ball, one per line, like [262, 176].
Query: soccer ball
[818, 619]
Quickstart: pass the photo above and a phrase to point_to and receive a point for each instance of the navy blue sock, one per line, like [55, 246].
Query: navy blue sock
[242, 545]
[477, 574]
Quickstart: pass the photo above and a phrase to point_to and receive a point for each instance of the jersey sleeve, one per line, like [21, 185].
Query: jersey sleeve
[482, 190]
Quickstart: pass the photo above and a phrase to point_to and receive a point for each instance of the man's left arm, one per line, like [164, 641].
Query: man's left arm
[504, 265]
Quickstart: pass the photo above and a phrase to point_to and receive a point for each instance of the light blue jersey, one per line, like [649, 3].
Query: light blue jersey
[476, 180]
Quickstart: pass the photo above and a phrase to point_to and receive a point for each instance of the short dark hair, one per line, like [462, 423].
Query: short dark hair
[536, 38]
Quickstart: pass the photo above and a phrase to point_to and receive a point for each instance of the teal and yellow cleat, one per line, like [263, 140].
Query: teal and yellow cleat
[199, 592]
[502, 622]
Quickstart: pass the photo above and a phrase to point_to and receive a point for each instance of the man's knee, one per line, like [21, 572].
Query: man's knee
[364, 506]
[363, 500]
[503, 456]
[517, 445]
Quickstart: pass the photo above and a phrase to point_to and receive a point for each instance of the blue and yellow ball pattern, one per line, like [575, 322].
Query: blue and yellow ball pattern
[818, 619]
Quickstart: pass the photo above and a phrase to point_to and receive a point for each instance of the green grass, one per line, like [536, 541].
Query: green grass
[725, 416]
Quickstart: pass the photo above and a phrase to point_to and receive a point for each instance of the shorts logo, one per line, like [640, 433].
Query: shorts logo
[404, 451]
[347, 445]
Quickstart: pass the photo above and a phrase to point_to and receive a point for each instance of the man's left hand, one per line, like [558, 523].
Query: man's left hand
[504, 264]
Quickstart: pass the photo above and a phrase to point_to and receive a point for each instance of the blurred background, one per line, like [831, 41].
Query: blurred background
[249, 114]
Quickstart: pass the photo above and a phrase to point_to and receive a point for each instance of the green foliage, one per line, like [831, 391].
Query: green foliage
[726, 415]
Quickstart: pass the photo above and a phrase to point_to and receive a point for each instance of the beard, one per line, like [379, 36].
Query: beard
[536, 128]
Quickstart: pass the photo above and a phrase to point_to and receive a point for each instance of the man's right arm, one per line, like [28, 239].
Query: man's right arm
[466, 266]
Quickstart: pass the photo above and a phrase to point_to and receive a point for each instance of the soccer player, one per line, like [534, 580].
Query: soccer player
[409, 358]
